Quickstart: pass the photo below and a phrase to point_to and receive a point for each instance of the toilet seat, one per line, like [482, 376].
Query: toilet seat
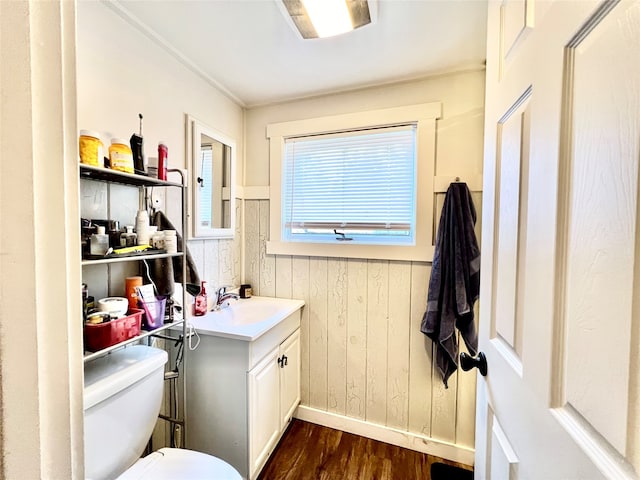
[177, 463]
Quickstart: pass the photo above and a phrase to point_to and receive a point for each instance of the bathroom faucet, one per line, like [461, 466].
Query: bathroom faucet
[223, 297]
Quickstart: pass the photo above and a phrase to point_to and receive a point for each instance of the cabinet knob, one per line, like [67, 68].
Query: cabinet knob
[282, 361]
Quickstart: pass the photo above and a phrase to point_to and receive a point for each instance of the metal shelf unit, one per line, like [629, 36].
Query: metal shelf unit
[142, 182]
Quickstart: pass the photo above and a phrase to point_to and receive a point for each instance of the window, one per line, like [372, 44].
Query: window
[360, 184]
[356, 185]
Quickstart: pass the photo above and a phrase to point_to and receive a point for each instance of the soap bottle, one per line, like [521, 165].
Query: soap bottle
[99, 242]
[200, 306]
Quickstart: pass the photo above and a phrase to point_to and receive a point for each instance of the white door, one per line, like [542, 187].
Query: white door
[560, 294]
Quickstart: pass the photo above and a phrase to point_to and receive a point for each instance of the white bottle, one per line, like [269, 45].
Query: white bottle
[99, 242]
[142, 227]
[170, 241]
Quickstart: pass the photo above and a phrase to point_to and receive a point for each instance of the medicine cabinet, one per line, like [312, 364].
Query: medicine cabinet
[212, 162]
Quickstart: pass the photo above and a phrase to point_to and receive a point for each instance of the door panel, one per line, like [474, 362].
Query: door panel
[560, 294]
[600, 232]
[504, 462]
[511, 180]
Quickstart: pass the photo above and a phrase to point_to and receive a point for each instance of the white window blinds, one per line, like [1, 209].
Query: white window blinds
[360, 183]
[206, 186]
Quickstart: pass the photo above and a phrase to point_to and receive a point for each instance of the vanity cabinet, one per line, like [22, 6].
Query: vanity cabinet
[274, 393]
[242, 393]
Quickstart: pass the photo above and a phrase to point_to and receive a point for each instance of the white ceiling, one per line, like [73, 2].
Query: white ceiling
[249, 50]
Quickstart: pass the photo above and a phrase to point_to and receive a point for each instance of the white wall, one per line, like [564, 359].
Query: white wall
[40, 329]
[121, 72]
[366, 367]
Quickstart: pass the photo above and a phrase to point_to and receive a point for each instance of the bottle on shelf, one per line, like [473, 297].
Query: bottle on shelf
[170, 241]
[163, 153]
[142, 227]
[200, 305]
[99, 242]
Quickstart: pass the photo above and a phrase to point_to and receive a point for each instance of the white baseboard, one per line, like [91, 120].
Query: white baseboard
[393, 436]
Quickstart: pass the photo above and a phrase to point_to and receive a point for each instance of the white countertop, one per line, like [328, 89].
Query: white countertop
[247, 318]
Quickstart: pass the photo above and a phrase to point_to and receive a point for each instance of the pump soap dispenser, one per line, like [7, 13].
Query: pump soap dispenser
[200, 306]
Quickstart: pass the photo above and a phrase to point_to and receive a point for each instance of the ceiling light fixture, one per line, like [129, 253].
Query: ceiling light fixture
[326, 18]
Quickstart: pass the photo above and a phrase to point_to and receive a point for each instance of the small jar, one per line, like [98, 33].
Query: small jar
[170, 241]
[157, 241]
[120, 156]
[91, 148]
[128, 238]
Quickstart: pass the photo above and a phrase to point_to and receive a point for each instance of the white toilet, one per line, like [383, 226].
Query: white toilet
[122, 398]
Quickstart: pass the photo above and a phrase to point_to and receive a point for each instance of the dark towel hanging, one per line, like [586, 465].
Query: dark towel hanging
[455, 281]
[165, 270]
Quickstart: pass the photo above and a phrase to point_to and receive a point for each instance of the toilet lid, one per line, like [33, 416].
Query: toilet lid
[177, 463]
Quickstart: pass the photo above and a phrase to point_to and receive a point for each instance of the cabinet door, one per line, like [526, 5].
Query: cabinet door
[289, 377]
[264, 409]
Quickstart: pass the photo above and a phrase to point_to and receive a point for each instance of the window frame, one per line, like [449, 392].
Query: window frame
[424, 116]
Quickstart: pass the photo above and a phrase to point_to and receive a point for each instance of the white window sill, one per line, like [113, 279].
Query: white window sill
[342, 250]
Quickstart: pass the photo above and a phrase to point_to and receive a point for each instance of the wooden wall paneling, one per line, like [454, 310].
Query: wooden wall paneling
[443, 409]
[300, 290]
[267, 262]
[318, 332]
[466, 403]
[357, 338]
[211, 264]
[196, 247]
[252, 244]
[237, 245]
[420, 358]
[226, 261]
[284, 276]
[377, 327]
[397, 344]
[337, 334]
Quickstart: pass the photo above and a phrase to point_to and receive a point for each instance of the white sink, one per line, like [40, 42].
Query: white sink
[246, 318]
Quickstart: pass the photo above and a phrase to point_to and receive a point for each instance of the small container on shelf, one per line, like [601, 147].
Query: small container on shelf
[103, 335]
[120, 156]
[163, 153]
[128, 238]
[99, 242]
[153, 313]
[170, 241]
[91, 148]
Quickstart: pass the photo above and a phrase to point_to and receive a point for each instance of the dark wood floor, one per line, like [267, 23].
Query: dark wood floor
[313, 452]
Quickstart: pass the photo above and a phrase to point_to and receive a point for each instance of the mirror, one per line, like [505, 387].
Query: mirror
[212, 167]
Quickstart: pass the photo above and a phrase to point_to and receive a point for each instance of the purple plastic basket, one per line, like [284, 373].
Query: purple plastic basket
[153, 313]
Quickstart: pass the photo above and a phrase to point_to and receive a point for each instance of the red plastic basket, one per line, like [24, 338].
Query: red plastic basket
[103, 335]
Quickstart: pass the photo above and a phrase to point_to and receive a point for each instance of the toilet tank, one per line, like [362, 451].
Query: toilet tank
[122, 398]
